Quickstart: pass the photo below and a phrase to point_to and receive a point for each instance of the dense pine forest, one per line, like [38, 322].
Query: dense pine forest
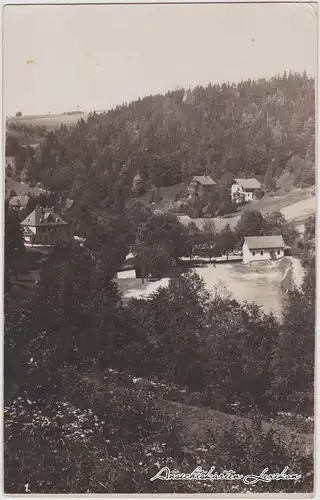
[262, 128]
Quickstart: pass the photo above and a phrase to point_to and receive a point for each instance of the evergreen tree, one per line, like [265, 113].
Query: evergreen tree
[137, 185]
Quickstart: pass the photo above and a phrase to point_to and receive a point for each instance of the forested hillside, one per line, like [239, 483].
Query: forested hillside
[255, 128]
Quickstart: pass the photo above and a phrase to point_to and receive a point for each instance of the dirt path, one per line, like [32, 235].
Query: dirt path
[297, 272]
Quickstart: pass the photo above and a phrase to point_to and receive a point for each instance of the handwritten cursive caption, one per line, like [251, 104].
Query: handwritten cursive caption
[199, 474]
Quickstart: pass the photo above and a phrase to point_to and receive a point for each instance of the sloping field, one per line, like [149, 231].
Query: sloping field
[258, 282]
[301, 210]
[199, 423]
[48, 121]
[278, 202]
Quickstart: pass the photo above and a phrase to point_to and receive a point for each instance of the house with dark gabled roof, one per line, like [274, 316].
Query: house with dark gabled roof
[244, 189]
[201, 185]
[257, 248]
[44, 226]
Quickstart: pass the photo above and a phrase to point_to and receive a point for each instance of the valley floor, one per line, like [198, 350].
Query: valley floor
[259, 282]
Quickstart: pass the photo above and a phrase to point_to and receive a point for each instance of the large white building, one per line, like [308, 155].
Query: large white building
[45, 227]
[244, 189]
[257, 248]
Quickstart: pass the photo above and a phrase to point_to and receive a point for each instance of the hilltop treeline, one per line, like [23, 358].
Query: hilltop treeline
[257, 128]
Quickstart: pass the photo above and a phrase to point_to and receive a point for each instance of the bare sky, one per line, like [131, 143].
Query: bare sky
[96, 57]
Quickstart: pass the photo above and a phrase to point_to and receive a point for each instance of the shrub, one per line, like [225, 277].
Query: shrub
[259, 194]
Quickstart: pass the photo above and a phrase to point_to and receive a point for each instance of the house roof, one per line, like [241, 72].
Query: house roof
[43, 217]
[204, 180]
[249, 183]
[260, 242]
[21, 201]
[69, 203]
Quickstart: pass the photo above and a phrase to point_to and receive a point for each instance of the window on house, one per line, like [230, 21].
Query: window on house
[261, 252]
[253, 252]
[278, 252]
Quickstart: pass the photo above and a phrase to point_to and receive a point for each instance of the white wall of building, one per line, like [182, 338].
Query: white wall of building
[255, 255]
[236, 188]
[248, 196]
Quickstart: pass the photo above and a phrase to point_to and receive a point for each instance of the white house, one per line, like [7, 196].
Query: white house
[257, 248]
[244, 189]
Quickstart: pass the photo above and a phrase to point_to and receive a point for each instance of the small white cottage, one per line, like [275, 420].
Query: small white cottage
[244, 189]
[257, 248]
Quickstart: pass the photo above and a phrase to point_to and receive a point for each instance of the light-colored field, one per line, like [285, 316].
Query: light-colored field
[301, 210]
[259, 282]
[278, 202]
[48, 121]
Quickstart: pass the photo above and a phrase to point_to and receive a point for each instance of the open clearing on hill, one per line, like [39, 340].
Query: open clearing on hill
[301, 210]
[277, 202]
[48, 121]
[258, 282]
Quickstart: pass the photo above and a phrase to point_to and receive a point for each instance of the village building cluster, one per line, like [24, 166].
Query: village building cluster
[242, 190]
[50, 225]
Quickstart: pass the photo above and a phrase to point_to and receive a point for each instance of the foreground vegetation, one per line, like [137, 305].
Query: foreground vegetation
[72, 426]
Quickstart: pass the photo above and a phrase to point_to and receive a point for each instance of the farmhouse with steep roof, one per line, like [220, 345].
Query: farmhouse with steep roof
[45, 227]
[201, 185]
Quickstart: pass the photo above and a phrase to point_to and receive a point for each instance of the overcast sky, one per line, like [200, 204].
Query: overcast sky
[96, 57]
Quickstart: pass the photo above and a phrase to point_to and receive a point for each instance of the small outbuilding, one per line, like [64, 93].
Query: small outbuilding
[257, 248]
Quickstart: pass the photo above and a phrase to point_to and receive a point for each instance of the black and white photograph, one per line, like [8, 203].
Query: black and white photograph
[159, 225]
